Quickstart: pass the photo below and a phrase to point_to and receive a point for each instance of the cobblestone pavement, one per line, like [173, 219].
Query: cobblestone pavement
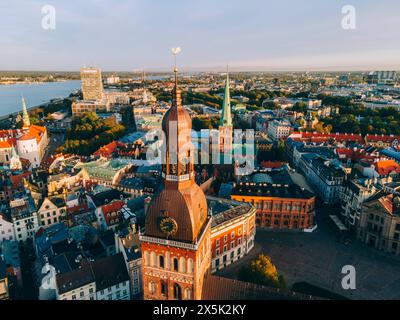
[318, 258]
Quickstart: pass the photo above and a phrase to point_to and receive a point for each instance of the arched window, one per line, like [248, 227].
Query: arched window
[176, 264]
[153, 259]
[188, 294]
[152, 287]
[146, 258]
[161, 261]
[182, 265]
[190, 265]
[177, 292]
[163, 288]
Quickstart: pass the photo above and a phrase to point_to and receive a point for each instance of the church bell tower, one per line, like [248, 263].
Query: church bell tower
[176, 241]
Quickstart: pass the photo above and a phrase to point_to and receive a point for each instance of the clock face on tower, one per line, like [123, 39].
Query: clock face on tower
[168, 226]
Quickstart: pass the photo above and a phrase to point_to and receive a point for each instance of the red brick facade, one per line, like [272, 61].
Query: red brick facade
[173, 272]
[282, 213]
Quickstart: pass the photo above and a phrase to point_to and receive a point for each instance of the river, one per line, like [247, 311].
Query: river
[34, 94]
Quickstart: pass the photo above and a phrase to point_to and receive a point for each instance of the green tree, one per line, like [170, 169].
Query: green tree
[262, 271]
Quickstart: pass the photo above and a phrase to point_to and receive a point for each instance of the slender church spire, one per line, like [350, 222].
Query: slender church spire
[25, 115]
[178, 170]
[176, 93]
[226, 118]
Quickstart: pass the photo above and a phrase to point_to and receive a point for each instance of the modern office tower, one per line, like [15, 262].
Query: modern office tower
[92, 85]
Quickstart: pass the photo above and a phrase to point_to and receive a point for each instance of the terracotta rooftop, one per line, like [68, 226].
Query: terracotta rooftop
[387, 166]
[219, 288]
[107, 150]
[17, 180]
[381, 138]
[8, 138]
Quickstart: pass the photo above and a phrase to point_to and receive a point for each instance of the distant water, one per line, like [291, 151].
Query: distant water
[34, 94]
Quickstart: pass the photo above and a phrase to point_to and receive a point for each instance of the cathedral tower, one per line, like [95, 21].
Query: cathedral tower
[176, 242]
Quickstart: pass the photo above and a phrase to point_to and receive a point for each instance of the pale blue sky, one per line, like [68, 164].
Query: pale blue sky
[246, 34]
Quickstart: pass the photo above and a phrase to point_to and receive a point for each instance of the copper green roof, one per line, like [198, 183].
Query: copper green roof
[226, 118]
[103, 169]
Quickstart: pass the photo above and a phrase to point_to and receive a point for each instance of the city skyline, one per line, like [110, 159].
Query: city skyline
[258, 36]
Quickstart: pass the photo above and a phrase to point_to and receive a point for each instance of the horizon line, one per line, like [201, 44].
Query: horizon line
[215, 70]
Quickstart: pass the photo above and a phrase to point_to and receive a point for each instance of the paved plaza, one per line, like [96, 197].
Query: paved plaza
[318, 258]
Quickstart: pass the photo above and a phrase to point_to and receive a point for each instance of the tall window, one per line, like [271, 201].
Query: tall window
[177, 292]
[163, 288]
[176, 264]
[161, 261]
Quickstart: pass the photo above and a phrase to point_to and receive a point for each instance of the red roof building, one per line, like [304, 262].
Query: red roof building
[356, 155]
[112, 212]
[108, 150]
[315, 137]
[381, 141]
[387, 167]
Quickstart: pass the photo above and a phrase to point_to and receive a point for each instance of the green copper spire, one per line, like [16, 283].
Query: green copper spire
[25, 115]
[226, 118]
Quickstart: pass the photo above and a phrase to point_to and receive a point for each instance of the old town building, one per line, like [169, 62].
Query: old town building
[232, 231]
[51, 211]
[353, 194]
[26, 145]
[278, 206]
[380, 223]
[24, 218]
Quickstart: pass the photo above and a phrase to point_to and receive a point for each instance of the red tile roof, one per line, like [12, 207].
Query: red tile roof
[108, 150]
[322, 137]
[387, 166]
[381, 138]
[17, 180]
[272, 164]
[110, 208]
[78, 209]
[356, 155]
[8, 138]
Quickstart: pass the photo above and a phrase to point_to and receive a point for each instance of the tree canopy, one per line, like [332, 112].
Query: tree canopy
[89, 133]
[262, 271]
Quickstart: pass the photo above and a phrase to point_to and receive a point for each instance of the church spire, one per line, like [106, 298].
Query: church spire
[178, 169]
[25, 115]
[176, 92]
[226, 118]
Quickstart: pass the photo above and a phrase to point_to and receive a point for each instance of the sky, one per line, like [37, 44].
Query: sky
[247, 35]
